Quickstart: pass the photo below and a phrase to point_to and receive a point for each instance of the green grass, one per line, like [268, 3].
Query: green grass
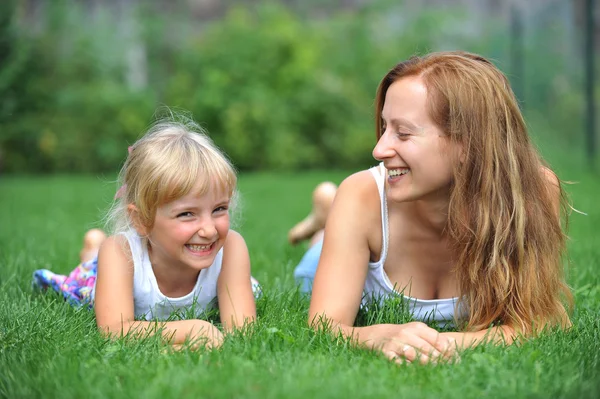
[48, 349]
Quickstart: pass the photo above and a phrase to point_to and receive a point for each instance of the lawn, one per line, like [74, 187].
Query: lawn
[48, 349]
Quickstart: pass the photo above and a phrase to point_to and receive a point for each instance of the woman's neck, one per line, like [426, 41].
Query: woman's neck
[432, 214]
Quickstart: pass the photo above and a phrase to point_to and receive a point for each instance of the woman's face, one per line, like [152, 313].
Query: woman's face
[417, 155]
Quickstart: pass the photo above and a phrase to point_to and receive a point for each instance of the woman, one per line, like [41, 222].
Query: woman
[461, 217]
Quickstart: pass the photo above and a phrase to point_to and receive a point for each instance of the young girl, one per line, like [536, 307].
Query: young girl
[460, 218]
[172, 251]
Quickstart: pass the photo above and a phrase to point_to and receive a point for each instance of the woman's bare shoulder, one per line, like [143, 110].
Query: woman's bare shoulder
[550, 176]
[553, 185]
[358, 196]
[360, 186]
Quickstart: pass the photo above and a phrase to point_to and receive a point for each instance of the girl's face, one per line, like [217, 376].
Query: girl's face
[189, 232]
[418, 156]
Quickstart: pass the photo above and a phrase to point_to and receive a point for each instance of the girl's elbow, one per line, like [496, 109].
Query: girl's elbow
[113, 329]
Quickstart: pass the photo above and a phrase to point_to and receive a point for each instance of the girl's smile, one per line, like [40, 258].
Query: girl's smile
[200, 250]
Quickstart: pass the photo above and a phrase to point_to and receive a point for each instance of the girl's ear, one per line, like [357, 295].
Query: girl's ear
[134, 216]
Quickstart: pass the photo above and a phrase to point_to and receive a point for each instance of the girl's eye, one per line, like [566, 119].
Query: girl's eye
[185, 214]
[221, 209]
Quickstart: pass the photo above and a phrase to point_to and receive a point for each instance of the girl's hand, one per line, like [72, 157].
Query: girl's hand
[206, 335]
[409, 342]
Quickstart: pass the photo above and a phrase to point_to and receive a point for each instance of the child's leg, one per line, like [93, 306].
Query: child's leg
[304, 273]
[323, 196]
[91, 244]
[77, 287]
[317, 237]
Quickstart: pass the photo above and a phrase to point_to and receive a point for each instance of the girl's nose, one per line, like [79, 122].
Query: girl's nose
[207, 230]
[383, 149]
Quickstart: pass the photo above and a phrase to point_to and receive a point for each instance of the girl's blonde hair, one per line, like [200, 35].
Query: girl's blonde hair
[165, 164]
[502, 218]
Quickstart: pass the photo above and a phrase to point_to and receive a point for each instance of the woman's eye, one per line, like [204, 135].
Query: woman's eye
[403, 135]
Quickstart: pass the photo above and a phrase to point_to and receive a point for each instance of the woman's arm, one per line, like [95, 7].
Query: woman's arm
[114, 307]
[342, 270]
[497, 335]
[234, 289]
[340, 278]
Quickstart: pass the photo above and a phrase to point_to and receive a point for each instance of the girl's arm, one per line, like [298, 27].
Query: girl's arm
[341, 274]
[234, 289]
[114, 308]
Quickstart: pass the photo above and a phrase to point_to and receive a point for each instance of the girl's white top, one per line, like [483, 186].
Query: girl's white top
[378, 285]
[151, 304]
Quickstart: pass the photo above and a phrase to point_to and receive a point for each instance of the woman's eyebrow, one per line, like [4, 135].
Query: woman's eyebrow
[402, 121]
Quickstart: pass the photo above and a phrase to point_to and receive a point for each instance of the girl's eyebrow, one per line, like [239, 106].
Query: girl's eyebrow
[191, 205]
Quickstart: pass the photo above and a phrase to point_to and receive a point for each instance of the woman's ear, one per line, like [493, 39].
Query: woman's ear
[462, 156]
[136, 221]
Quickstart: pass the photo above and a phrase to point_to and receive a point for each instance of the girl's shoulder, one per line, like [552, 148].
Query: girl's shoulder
[234, 239]
[116, 246]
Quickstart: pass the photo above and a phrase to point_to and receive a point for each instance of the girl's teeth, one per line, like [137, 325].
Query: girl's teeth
[198, 248]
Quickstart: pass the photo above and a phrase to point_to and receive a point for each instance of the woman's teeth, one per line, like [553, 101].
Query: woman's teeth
[397, 172]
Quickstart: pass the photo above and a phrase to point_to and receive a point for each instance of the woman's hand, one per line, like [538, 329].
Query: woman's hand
[408, 342]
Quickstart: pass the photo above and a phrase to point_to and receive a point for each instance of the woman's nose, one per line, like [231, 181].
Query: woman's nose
[383, 149]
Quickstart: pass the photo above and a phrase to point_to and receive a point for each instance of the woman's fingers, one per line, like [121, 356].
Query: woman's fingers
[419, 342]
[395, 357]
[417, 349]
[445, 346]
[412, 349]
[415, 342]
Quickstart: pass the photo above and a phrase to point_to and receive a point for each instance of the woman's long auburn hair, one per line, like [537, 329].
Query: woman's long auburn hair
[502, 219]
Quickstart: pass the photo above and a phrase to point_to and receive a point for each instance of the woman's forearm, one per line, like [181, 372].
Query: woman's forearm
[497, 335]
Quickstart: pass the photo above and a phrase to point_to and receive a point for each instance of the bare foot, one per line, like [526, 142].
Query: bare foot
[91, 244]
[323, 196]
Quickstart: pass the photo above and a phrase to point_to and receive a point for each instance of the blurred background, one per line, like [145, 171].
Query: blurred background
[283, 85]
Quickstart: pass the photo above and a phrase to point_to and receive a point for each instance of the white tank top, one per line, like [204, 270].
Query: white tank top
[378, 285]
[150, 304]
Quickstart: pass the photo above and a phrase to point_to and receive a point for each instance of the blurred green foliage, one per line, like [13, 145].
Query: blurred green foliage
[275, 87]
